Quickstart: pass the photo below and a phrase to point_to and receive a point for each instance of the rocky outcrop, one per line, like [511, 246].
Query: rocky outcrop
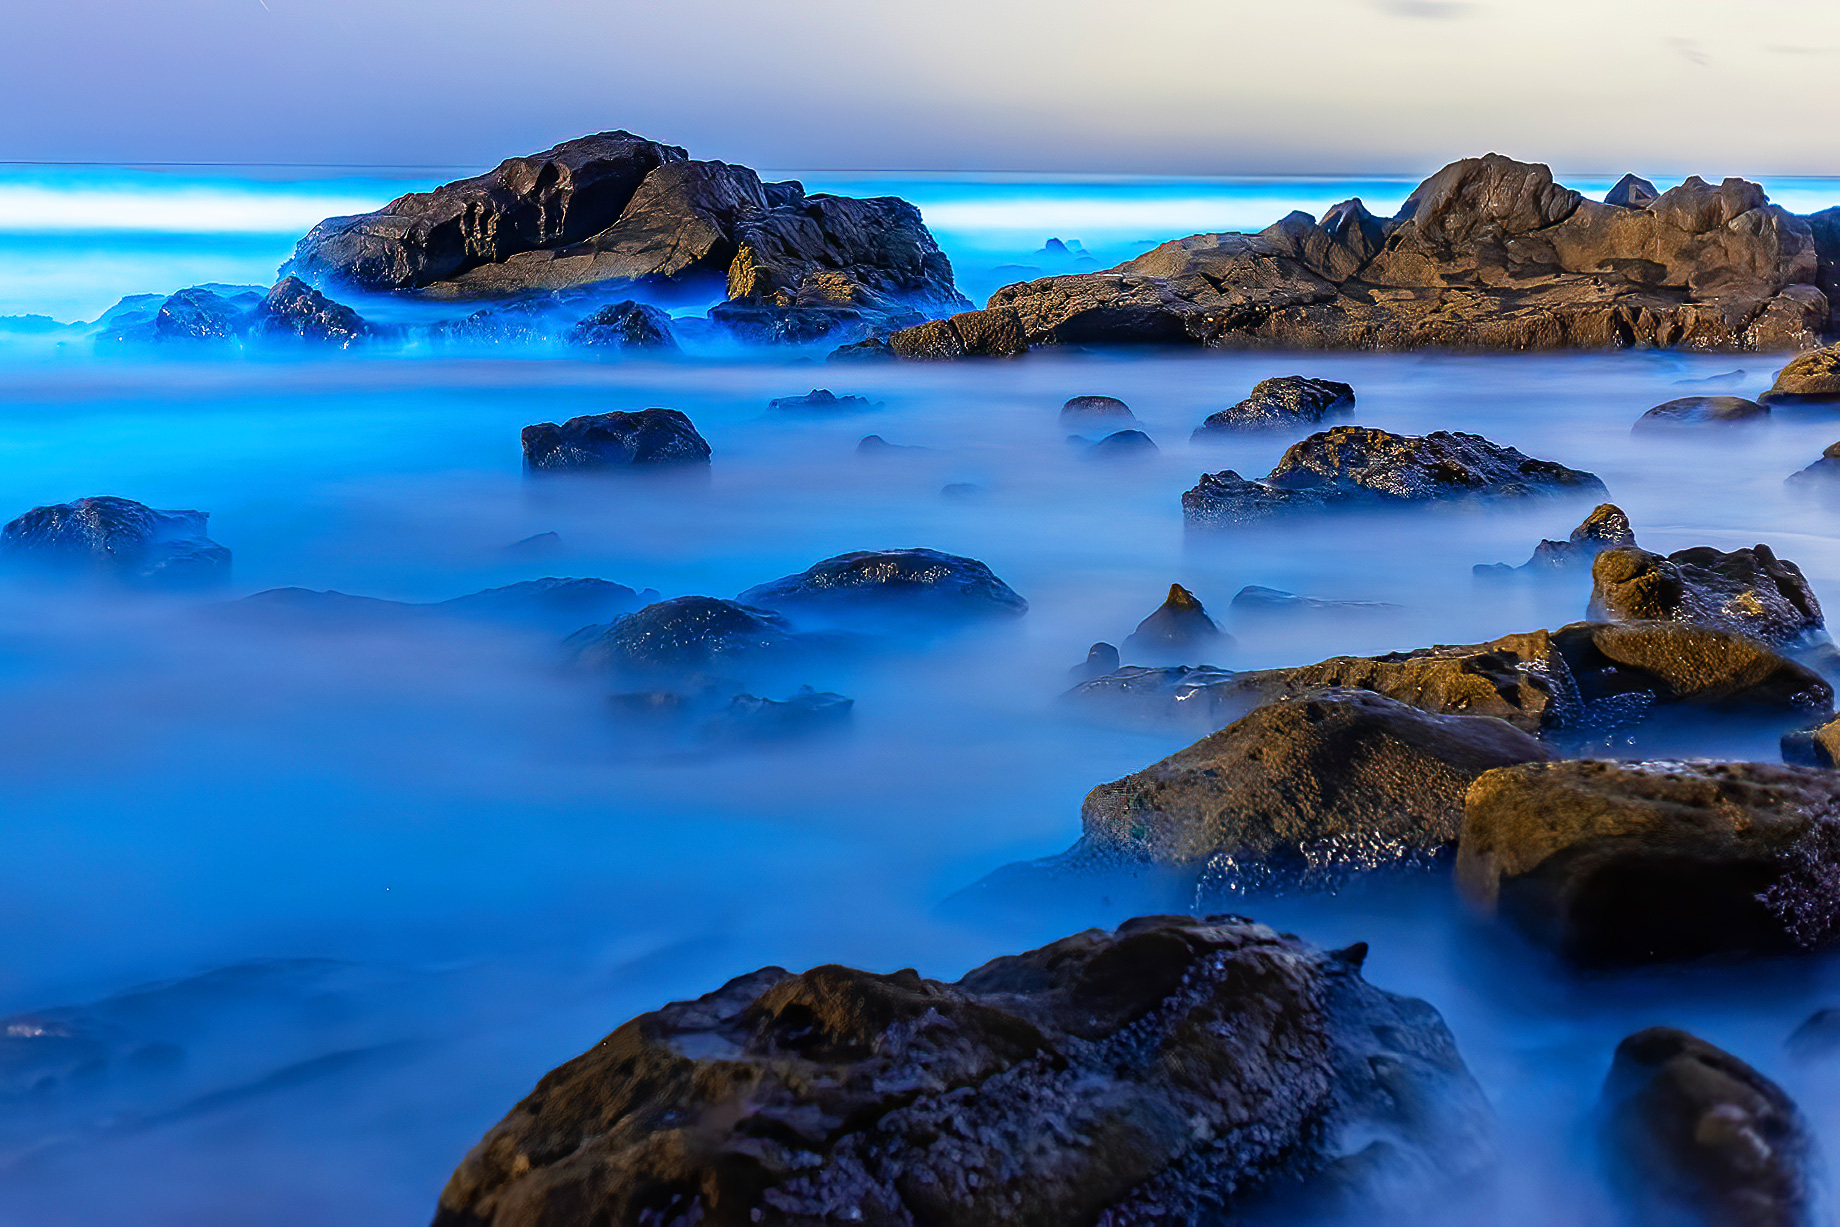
[1693, 1134]
[1355, 465]
[1285, 400]
[1702, 411]
[1082, 410]
[200, 313]
[1749, 591]
[1607, 527]
[1301, 791]
[294, 310]
[119, 539]
[1617, 863]
[820, 400]
[1584, 679]
[918, 582]
[1813, 376]
[685, 637]
[626, 325]
[1175, 1070]
[1179, 626]
[1487, 254]
[614, 210]
[649, 438]
[290, 311]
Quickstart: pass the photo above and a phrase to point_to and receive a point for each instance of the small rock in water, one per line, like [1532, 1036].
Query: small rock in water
[1178, 625]
[536, 545]
[1703, 411]
[963, 490]
[294, 309]
[1813, 376]
[119, 538]
[1286, 400]
[1254, 599]
[648, 438]
[875, 445]
[1750, 591]
[1097, 409]
[807, 713]
[1823, 470]
[911, 580]
[686, 636]
[1120, 444]
[1605, 528]
[1100, 660]
[821, 400]
[1694, 1135]
[625, 325]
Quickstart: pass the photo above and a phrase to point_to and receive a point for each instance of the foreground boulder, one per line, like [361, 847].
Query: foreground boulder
[1693, 1134]
[1750, 591]
[626, 325]
[1302, 790]
[1175, 1070]
[1487, 254]
[615, 210]
[118, 538]
[1286, 400]
[1703, 411]
[1618, 863]
[1605, 528]
[1813, 376]
[1178, 626]
[1359, 465]
[654, 438]
[911, 581]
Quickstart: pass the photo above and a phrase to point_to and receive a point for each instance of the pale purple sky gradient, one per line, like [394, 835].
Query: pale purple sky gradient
[1171, 86]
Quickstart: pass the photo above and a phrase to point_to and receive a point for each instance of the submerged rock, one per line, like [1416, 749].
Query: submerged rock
[295, 310]
[1362, 465]
[1286, 400]
[807, 713]
[1177, 1069]
[552, 603]
[685, 636]
[820, 400]
[875, 445]
[1620, 862]
[1607, 527]
[1813, 376]
[1096, 409]
[1693, 1134]
[1101, 659]
[121, 539]
[1750, 591]
[1120, 444]
[1179, 625]
[1259, 601]
[1703, 411]
[916, 581]
[626, 325]
[1823, 470]
[619, 440]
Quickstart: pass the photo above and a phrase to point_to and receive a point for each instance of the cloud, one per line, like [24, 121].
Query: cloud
[1435, 10]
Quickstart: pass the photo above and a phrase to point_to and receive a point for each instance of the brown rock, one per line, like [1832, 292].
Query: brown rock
[1810, 376]
[1703, 411]
[1180, 624]
[1749, 591]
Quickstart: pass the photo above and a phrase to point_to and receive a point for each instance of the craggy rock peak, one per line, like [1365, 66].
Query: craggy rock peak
[614, 209]
[290, 311]
[1180, 624]
[1284, 400]
[626, 325]
[1750, 591]
[1582, 679]
[121, 539]
[1813, 376]
[1617, 863]
[1300, 790]
[1605, 528]
[1692, 1133]
[650, 438]
[1703, 411]
[1176, 1070]
[1487, 254]
[1362, 465]
[920, 581]
[294, 309]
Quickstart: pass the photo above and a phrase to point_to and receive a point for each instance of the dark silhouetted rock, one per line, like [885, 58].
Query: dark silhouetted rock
[1693, 1134]
[1750, 591]
[536, 545]
[963, 489]
[916, 581]
[1163, 1072]
[650, 437]
[119, 538]
[1096, 409]
[806, 714]
[1487, 254]
[199, 314]
[1817, 1038]
[684, 636]
[1813, 376]
[1362, 465]
[1122, 443]
[295, 310]
[1605, 528]
[978, 334]
[1703, 411]
[820, 400]
[875, 445]
[1620, 862]
[562, 603]
[1632, 192]
[1178, 626]
[1257, 601]
[625, 325]
[1822, 470]
[1100, 660]
[869, 349]
[1287, 400]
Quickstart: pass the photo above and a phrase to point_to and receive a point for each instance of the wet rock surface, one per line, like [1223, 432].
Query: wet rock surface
[1613, 863]
[1177, 1069]
[1359, 465]
[1605, 528]
[1255, 600]
[1179, 626]
[1749, 591]
[1285, 400]
[808, 713]
[1702, 411]
[120, 539]
[1081, 410]
[919, 582]
[294, 310]
[1813, 376]
[1487, 254]
[686, 637]
[820, 400]
[626, 325]
[658, 438]
[1818, 746]
[1823, 470]
[1691, 1133]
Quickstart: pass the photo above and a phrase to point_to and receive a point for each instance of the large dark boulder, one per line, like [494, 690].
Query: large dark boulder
[1692, 1134]
[1620, 862]
[1284, 400]
[296, 311]
[1607, 527]
[118, 538]
[649, 438]
[1487, 254]
[625, 325]
[1175, 1070]
[911, 581]
[1179, 626]
[1361, 465]
[1750, 591]
[1703, 411]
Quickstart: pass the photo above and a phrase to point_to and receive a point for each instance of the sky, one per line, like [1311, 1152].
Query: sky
[1664, 87]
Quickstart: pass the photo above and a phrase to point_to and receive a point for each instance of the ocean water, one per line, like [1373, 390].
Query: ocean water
[290, 914]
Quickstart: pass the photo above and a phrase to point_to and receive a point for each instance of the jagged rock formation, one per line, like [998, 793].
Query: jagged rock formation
[1750, 591]
[295, 310]
[626, 325]
[614, 210]
[1179, 625]
[1284, 400]
[289, 311]
[1487, 254]
[1605, 528]
[1361, 465]
[1176, 1070]
[119, 539]
[649, 438]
